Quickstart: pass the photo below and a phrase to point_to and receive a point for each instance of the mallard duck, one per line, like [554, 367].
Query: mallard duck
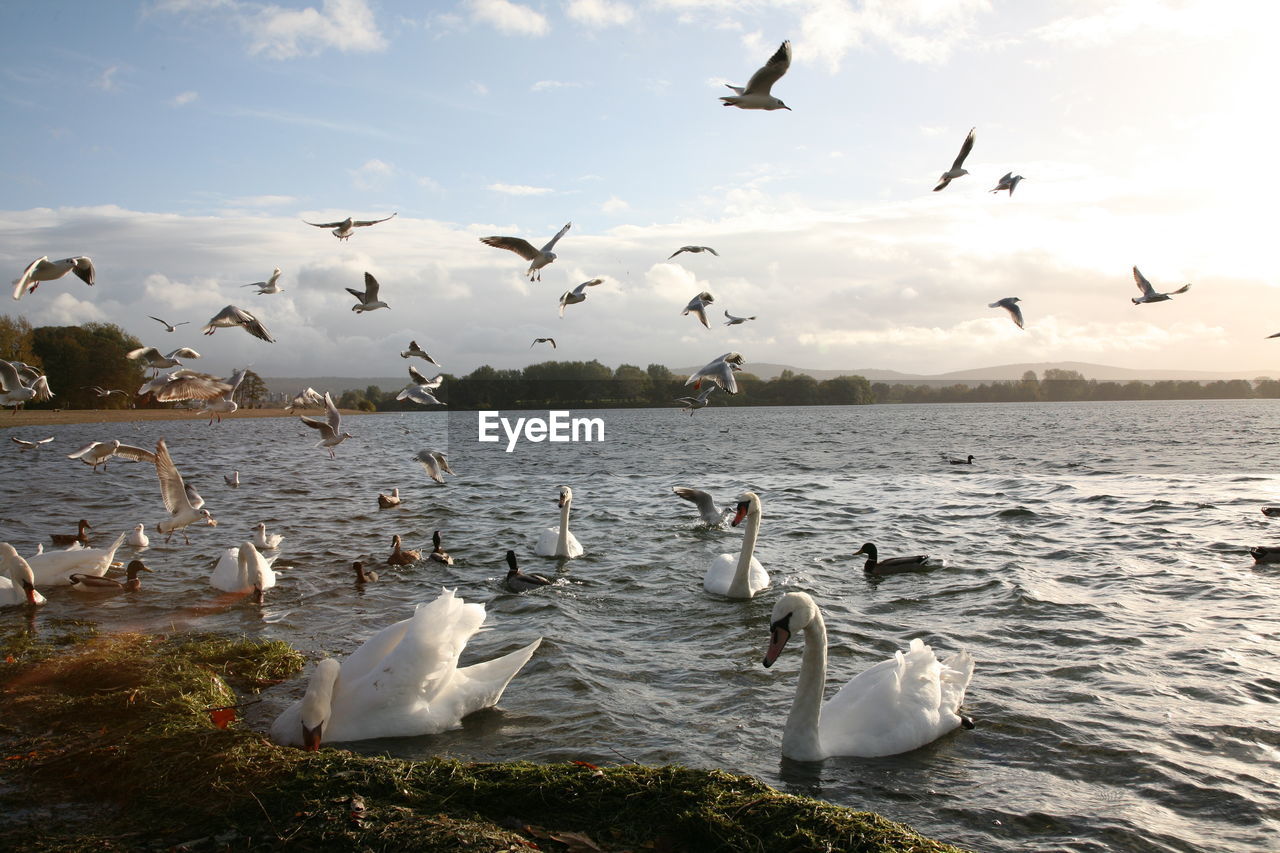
[400, 557]
[968, 461]
[361, 575]
[94, 583]
[876, 566]
[388, 501]
[437, 553]
[70, 539]
[518, 580]
[1263, 554]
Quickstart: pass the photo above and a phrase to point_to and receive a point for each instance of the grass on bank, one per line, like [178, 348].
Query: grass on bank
[108, 744]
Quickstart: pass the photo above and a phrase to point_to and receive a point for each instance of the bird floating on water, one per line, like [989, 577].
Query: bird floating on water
[368, 300]
[1010, 304]
[94, 583]
[890, 565]
[400, 556]
[957, 168]
[344, 229]
[756, 95]
[72, 538]
[43, 269]
[1149, 293]
[438, 554]
[388, 501]
[538, 258]
[234, 316]
[518, 580]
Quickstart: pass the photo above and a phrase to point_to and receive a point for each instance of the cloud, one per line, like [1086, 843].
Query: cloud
[600, 13]
[67, 310]
[1124, 18]
[261, 200]
[371, 175]
[545, 85]
[107, 80]
[519, 189]
[479, 88]
[614, 205]
[347, 26]
[510, 18]
[183, 98]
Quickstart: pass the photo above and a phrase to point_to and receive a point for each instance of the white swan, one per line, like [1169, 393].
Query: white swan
[266, 541]
[17, 583]
[895, 706]
[244, 570]
[55, 568]
[558, 541]
[404, 681]
[741, 576]
[138, 538]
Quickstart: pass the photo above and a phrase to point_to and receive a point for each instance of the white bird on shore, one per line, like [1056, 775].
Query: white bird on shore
[234, 316]
[957, 169]
[434, 463]
[419, 390]
[368, 300]
[330, 437]
[696, 250]
[43, 269]
[698, 307]
[97, 453]
[755, 95]
[268, 286]
[720, 372]
[736, 321]
[1010, 304]
[184, 506]
[1008, 182]
[692, 404]
[1149, 293]
[538, 258]
[14, 392]
[415, 351]
[344, 229]
[711, 516]
[578, 294]
[170, 327]
[151, 357]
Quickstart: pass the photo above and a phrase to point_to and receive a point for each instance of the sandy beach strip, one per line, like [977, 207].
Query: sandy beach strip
[54, 417]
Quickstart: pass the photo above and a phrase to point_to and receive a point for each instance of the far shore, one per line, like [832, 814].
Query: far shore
[56, 417]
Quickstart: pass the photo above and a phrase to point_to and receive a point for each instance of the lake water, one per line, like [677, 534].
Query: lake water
[1127, 684]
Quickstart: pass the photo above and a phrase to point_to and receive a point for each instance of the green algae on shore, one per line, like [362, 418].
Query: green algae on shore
[108, 744]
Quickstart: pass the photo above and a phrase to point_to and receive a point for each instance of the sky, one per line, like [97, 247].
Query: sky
[181, 144]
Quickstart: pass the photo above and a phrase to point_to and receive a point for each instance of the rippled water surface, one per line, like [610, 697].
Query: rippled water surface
[1094, 562]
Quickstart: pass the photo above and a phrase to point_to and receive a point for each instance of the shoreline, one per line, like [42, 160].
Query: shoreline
[60, 417]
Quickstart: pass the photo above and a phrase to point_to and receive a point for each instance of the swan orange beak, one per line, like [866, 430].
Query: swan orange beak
[311, 737]
[740, 514]
[778, 636]
[30, 589]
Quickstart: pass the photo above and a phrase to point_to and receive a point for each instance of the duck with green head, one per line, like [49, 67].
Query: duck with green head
[891, 565]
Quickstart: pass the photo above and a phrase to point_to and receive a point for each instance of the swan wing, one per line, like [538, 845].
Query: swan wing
[481, 685]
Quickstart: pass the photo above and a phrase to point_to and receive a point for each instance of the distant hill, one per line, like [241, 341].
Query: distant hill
[767, 371]
[334, 384]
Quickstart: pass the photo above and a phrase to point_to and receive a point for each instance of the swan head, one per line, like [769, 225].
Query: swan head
[317, 701]
[793, 612]
[566, 497]
[748, 504]
[19, 570]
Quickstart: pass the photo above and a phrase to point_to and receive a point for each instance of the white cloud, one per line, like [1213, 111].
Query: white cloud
[107, 80]
[545, 85]
[1123, 18]
[67, 310]
[519, 189]
[261, 200]
[600, 13]
[479, 88]
[183, 98]
[372, 174]
[614, 205]
[344, 25]
[510, 18]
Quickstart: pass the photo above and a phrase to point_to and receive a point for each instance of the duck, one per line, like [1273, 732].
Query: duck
[438, 554]
[968, 461]
[558, 541]
[876, 566]
[93, 583]
[403, 681]
[361, 575]
[388, 501]
[244, 570]
[17, 581]
[232, 479]
[266, 541]
[1271, 511]
[71, 539]
[1264, 554]
[138, 538]
[895, 706]
[55, 568]
[400, 557]
[518, 580]
[741, 575]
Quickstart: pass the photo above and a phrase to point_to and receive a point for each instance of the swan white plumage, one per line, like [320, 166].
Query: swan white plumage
[739, 576]
[895, 706]
[264, 540]
[244, 570]
[558, 541]
[403, 681]
[17, 583]
[55, 568]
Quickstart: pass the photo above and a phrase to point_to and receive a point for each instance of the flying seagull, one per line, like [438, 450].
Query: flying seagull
[30, 445]
[419, 390]
[184, 506]
[344, 229]
[703, 501]
[719, 372]
[151, 357]
[736, 321]
[170, 327]
[1149, 293]
[233, 316]
[434, 463]
[369, 300]
[225, 404]
[43, 269]
[538, 258]
[104, 392]
[97, 453]
[329, 435]
[14, 392]
[692, 404]
[695, 250]
[698, 307]
[415, 351]
[755, 95]
[957, 169]
[537, 341]
[307, 398]
[268, 286]
[1008, 182]
[184, 384]
[578, 294]
[1010, 304]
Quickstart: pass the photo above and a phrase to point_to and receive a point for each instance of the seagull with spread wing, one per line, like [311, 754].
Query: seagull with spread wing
[692, 404]
[20, 385]
[719, 372]
[234, 316]
[170, 327]
[1010, 304]
[537, 341]
[330, 437]
[698, 307]
[225, 403]
[415, 351]
[1149, 293]
[151, 357]
[419, 390]
[268, 286]
[736, 321]
[538, 258]
[957, 168]
[695, 250]
[184, 384]
[1008, 182]
[184, 504]
[368, 300]
[23, 444]
[43, 269]
[755, 95]
[578, 294]
[434, 463]
[344, 229]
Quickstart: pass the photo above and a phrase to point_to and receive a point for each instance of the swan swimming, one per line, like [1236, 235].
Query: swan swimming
[244, 570]
[558, 541]
[17, 583]
[741, 576]
[402, 682]
[895, 706]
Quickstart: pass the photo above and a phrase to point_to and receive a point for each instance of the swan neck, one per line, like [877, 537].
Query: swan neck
[562, 544]
[742, 575]
[801, 739]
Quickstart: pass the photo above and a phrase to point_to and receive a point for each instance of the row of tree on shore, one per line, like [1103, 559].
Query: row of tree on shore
[77, 358]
